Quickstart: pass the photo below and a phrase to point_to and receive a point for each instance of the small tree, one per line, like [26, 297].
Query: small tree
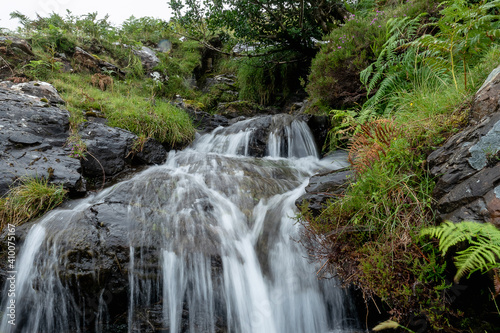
[285, 24]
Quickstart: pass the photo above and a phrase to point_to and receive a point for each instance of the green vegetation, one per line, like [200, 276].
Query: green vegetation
[28, 200]
[483, 240]
[419, 75]
[134, 103]
[395, 77]
[283, 24]
[130, 105]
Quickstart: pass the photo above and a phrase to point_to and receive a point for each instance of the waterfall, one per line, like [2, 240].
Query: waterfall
[206, 242]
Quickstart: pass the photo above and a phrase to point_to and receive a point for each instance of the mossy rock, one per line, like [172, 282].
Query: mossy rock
[244, 108]
[15, 52]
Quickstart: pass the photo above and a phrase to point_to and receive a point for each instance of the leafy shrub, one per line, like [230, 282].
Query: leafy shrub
[269, 79]
[347, 51]
[55, 37]
[146, 30]
[178, 65]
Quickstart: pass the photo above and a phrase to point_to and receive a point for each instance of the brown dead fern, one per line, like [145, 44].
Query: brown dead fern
[372, 142]
[102, 81]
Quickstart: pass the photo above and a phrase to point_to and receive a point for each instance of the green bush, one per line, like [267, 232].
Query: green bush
[334, 79]
[347, 51]
[178, 65]
[269, 79]
[146, 30]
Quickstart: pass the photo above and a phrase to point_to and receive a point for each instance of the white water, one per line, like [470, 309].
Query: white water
[221, 227]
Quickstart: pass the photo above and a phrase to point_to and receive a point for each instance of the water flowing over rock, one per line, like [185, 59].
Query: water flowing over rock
[111, 150]
[276, 136]
[467, 165]
[203, 243]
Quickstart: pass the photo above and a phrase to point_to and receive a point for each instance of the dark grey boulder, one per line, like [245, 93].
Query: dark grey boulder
[32, 142]
[467, 166]
[110, 150]
[324, 188]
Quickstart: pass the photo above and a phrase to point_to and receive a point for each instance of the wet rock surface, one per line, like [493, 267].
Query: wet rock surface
[245, 109]
[34, 134]
[113, 150]
[32, 142]
[467, 166]
[325, 187]
[43, 90]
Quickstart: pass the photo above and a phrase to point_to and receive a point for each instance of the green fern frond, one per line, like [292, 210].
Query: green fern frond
[484, 245]
[396, 60]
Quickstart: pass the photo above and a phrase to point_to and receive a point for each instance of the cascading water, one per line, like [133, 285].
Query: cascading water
[203, 243]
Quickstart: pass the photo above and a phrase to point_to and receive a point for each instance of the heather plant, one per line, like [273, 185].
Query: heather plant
[78, 147]
[345, 52]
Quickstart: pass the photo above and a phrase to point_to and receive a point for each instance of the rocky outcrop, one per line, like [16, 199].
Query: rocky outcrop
[324, 188]
[32, 142]
[91, 63]
[319, 125]
[113, 150]
[148, 58]
[467, 166]
[43, 90]
[238, 109]
[203, 121]
[13, 52]
[34, 134]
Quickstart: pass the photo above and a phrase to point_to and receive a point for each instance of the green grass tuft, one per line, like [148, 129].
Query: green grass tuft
[29, 200]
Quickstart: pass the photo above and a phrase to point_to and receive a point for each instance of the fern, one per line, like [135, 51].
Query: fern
[371, 142]
[465, 30]
[483, 250]
[393, 67]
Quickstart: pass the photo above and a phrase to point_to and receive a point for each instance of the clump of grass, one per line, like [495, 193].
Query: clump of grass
[33, 197]
[369, 235]
[163, 122]
[130, 106]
